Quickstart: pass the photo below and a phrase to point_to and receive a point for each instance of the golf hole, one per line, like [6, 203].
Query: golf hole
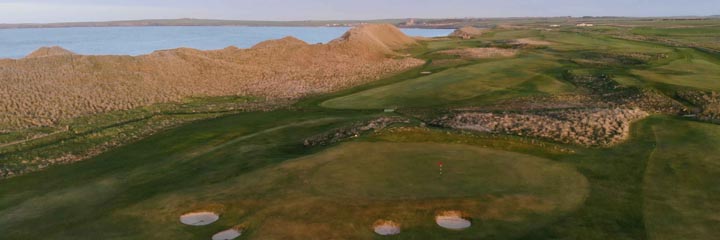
[199, 218]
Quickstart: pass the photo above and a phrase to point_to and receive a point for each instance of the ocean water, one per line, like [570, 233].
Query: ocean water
[17, 43]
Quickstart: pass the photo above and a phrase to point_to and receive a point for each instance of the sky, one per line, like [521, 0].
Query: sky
[45, 11]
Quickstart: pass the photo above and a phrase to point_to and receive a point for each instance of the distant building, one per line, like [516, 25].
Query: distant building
[585, 25]
[410, 22]
[554, 26]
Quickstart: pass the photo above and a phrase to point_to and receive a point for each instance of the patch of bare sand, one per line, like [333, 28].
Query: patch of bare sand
[229, 234]
[386, 227]
[453, 220]
[479, 53]
[79, 85]
[199, 218]
[467, 32]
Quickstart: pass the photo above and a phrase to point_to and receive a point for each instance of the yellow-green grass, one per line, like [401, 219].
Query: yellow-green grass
[85, 200]
[509, 34]
[682, 183]
[242, 167]
[693, 70]
[566, 41]
[697, 35]
[524, 74]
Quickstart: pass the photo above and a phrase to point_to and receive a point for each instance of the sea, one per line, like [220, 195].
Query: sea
[17, 43]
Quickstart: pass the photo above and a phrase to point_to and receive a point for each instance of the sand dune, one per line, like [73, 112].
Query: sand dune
[467, 32]
[49, 51]
[52, 84]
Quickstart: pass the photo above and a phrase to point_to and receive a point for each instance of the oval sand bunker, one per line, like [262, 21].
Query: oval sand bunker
[452, 220]
[385, 228]
[227, 234]
[199, 218]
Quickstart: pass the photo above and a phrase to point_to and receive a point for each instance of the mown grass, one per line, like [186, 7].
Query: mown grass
[691, 69]
[681, 183]
[458, 84]
[571, 41]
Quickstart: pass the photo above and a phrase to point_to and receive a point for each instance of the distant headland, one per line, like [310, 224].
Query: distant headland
[449, 23]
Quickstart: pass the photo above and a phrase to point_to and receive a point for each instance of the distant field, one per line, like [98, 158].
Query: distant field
[691, 69]
[576, 41]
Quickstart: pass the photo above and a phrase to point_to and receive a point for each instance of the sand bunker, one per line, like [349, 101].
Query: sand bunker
[452, 220]
[227, 234]
[385, 228]
[199, 218]
[479, 53]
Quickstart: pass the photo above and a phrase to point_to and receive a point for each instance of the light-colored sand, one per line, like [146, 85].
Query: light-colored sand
[478, 53]
[199, 218]
[227, 234]
[78, 85]
[385, 228]
[452, 220]
[467, 32]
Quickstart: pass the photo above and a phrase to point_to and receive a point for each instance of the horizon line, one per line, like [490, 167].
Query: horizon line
[366, 20]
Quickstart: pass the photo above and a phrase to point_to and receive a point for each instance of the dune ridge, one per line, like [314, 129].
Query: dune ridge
[49, 51]
[54, 84]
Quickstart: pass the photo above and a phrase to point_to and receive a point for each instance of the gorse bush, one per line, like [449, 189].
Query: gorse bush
[589, 127]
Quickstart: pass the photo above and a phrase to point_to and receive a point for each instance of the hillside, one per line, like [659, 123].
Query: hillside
[43, 90]
[49, 51]
[467, 32]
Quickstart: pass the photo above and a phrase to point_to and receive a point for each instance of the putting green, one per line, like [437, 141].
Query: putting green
[411, 170]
